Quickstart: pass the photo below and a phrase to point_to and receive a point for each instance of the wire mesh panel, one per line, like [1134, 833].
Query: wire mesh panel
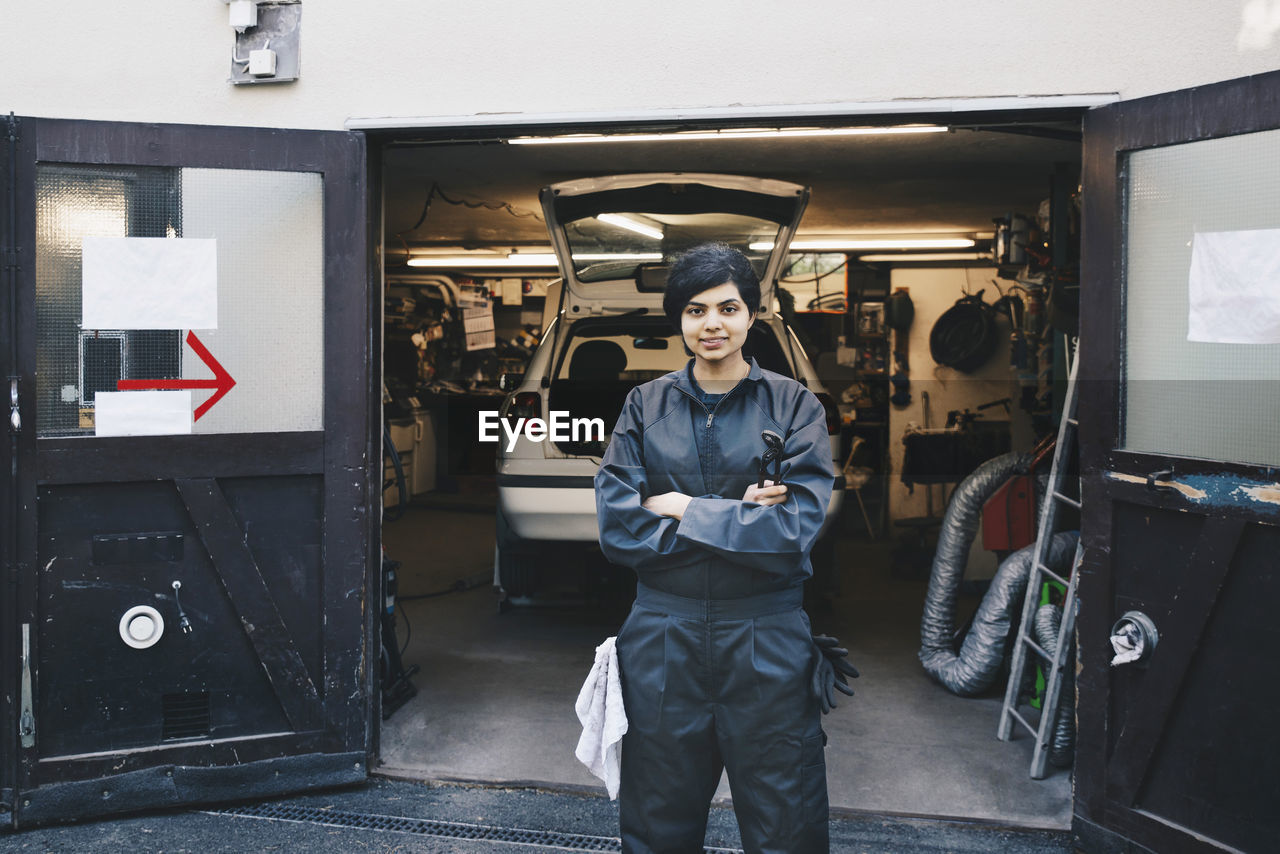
[251, 361]
[73, 364]
[1202, 362]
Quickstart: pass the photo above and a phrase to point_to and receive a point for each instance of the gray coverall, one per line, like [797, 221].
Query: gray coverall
[716, 654]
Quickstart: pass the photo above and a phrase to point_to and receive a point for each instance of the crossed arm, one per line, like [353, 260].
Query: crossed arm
[673, 504]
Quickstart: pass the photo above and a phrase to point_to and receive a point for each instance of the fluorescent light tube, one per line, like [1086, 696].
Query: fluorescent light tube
[927, 256]
[630, 224]
[727, 133]
[528, 259]
[617, 256]
[854, 244]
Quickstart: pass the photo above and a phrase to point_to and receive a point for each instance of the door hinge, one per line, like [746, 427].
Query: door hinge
[27, 720]
[14, 125]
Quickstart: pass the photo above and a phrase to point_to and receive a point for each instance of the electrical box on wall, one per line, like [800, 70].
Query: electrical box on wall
[268, 51]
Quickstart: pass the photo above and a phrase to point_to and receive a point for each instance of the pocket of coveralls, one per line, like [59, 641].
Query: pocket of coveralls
[813, 780]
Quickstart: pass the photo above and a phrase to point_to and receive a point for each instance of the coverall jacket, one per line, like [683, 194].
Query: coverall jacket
[716, 654]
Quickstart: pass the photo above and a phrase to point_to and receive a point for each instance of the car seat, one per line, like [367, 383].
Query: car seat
[593, 388]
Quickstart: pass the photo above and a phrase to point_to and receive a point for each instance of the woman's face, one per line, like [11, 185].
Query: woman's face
[715, 323]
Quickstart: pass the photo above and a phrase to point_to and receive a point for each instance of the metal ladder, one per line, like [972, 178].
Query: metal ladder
[1053, 499]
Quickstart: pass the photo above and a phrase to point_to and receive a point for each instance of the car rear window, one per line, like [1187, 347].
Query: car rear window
[602, 360]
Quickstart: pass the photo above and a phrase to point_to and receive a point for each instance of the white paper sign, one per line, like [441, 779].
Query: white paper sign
[512, 291]
[142, 413]
[149, 283]
[1234, 293]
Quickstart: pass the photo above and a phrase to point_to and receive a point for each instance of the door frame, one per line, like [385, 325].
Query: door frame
[345, 452]
[1229, 108]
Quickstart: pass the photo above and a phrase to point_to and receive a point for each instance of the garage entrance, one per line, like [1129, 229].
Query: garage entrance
[946, 215]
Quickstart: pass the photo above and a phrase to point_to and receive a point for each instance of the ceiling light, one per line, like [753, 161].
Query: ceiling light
[854, 244]
[617, 256]
[515, 259]
[458, 260]
[631, 224]
[926, 256]
[727, 133]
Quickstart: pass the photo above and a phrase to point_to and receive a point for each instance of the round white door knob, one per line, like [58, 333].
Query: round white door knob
[141, 626]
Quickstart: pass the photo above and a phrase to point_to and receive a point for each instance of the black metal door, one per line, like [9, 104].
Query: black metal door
[192, 536]
[1180, 431]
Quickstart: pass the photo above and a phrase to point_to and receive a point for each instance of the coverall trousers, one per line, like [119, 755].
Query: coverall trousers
[720, 684]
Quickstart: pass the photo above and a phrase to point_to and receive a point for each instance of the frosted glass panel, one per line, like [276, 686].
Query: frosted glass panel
[270, 335]
[1217, 401]
[268, 229]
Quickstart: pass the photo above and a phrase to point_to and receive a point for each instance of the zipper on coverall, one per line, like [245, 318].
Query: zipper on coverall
[706, 577]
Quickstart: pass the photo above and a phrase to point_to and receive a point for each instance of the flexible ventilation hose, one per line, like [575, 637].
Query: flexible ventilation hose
[977, 665]
[1063, 744]
[959, 526]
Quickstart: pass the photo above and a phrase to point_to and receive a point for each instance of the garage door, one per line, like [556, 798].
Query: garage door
[1178, 748]
[191, 410]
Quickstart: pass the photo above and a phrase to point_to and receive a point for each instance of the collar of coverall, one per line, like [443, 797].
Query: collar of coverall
[685, 379]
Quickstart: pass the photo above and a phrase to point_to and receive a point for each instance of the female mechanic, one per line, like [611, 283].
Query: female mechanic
[716, 655]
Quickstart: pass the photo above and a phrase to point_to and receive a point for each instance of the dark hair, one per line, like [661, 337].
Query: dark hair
[704, 267]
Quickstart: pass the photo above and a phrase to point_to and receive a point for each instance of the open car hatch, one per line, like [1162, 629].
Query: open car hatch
[615, 236]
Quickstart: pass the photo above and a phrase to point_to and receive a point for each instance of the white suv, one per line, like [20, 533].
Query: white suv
[613, 237]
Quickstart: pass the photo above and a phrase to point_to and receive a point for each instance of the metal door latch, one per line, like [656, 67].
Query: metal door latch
[1157, 479]
[15, 417]
[1133, 637]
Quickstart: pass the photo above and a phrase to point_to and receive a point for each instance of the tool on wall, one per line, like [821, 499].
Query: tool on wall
[899, 312]
[965, 336]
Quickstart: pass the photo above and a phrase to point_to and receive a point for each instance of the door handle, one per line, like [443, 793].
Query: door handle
[27, 719]
[1156, 480]
[1133, 638]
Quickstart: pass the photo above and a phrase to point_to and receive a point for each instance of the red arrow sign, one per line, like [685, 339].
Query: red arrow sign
[221, 382]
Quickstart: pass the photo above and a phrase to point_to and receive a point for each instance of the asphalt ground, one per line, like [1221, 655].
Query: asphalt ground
[387, 815]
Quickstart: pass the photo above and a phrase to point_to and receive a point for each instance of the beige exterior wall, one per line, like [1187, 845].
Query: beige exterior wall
[168, 60]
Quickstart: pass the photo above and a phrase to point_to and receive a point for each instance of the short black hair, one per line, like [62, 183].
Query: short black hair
[704, 267]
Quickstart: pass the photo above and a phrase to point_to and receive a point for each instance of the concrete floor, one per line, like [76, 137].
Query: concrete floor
[496, 691]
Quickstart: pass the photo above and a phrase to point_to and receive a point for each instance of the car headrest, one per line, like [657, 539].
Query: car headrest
[597, 360]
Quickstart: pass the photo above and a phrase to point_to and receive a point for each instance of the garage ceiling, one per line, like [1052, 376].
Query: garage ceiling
[956, 181]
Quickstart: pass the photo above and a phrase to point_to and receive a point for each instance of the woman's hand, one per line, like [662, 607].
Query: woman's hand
[767, 494]
[671, 504]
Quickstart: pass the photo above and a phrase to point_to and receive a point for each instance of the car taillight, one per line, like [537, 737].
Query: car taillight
[833, 413]
[526, 404]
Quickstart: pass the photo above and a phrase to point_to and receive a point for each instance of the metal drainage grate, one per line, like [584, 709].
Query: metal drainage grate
[431, 827]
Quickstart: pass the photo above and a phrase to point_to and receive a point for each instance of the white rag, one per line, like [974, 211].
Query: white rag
[603, 719]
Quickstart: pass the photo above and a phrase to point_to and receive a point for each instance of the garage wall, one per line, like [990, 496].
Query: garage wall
[166, 61]
[933, 291]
